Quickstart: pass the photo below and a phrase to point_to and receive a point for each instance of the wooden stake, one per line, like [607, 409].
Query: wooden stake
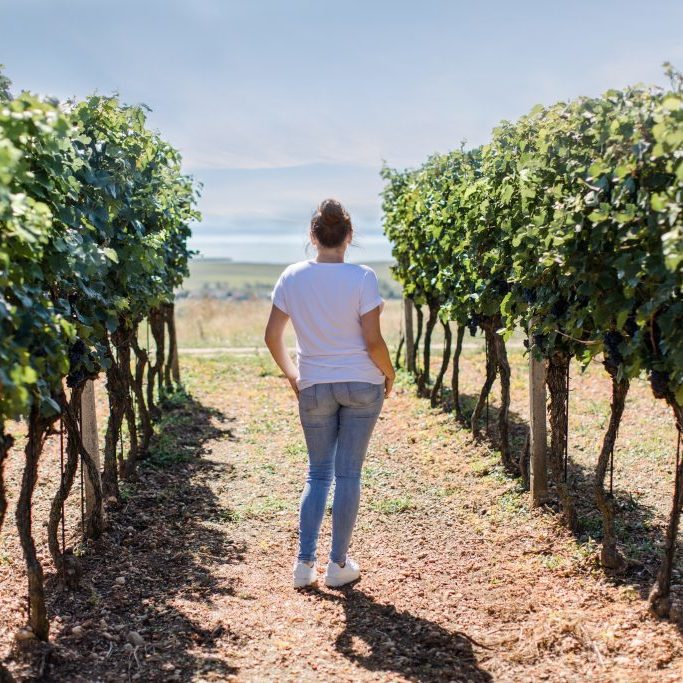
[410, 338]
[538, 434]
[90, 440]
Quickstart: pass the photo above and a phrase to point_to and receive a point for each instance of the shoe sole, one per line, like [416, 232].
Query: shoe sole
[303, 583]
[337, 583]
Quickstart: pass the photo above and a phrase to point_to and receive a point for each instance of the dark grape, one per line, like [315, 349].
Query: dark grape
[559, 308]
[611, 342]
[74, 379]
[631, 326]
[539, 341]
[659, 381]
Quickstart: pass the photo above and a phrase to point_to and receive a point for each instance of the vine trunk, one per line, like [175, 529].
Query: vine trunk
[660, 595]
[438, 382]
[491, 367]
[423, 378]
[455, 377]
[610, 557]
[67, 565]
[38, 427]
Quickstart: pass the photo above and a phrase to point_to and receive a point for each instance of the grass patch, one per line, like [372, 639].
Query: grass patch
[481, 468]
[512, 502]
[168, 445]
[392, 506]
[296, 449]
[265, 426]
[261, 509]
[552, 562]
[375, 473]
[183, 428]
[126, 490]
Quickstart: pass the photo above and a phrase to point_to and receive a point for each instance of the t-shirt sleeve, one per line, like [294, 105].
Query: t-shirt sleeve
[278, 295]
[369, 294]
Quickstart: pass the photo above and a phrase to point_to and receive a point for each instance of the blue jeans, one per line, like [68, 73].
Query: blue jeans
[338, 419]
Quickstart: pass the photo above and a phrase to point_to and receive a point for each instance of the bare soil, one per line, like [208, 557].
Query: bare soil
[461, 581]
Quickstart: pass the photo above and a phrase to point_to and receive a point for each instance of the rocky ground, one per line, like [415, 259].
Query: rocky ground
[461, 581]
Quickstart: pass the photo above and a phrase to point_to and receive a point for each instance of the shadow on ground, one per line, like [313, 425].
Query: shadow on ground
[639, 538]
[378, 637]
[157, 557]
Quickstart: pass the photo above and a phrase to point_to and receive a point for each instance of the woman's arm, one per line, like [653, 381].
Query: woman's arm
[275, 342]
[377, 347]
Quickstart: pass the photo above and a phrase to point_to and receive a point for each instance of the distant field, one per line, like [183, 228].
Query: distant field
[220, 276]
[213, 322]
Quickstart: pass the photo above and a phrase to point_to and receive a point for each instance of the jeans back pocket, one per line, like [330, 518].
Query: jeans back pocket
[308, 399]
[364, 393]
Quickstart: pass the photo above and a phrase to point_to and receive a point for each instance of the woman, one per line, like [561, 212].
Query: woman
[342, 376]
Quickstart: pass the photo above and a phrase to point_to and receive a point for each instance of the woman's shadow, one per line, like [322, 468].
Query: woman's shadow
[378, 637]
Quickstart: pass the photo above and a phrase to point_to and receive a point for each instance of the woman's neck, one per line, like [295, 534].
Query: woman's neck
[330, 256]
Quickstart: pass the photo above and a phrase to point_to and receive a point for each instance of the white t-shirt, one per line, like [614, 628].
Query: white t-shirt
[325, 302]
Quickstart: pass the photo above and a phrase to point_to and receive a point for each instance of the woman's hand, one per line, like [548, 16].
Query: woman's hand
[292, 381]
[388, 385]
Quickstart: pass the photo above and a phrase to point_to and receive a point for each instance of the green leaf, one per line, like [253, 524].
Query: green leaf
[111, 254]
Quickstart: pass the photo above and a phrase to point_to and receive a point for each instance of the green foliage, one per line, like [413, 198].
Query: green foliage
[5, 85]
[94, 221]
[568, 221]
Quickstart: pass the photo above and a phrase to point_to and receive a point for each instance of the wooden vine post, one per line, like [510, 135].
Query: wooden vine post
[90, 442]
[409, 335]
[538, 433]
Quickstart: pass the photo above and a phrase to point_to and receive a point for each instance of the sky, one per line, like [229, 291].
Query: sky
[276, 105]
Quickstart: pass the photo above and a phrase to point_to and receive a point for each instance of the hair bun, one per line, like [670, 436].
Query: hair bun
[331, 223]
[331, 211]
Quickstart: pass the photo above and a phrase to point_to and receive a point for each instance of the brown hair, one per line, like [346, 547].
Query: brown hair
[331, 224]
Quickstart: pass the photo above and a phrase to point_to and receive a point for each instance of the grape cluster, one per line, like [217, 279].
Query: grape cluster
[659, 381]
[540, 341]
[611, 343]
[631, 326]
[77, 355]
[559, 308]
[473, 324]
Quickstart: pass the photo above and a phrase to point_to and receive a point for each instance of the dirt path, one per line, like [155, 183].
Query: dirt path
[460, 581]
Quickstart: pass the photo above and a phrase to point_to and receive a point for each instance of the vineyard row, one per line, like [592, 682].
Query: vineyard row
[94, 222]
[568, 224]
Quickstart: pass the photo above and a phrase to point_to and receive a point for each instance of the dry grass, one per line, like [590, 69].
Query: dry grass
[207, 322]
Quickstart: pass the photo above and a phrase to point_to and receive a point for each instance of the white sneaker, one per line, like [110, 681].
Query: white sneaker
[336, 576]
[304, 575]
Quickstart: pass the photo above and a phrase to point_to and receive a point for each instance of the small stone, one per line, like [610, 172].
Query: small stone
[120, 580]
[134, 638]
[24, 634]
[77, 631]
[128, 647]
